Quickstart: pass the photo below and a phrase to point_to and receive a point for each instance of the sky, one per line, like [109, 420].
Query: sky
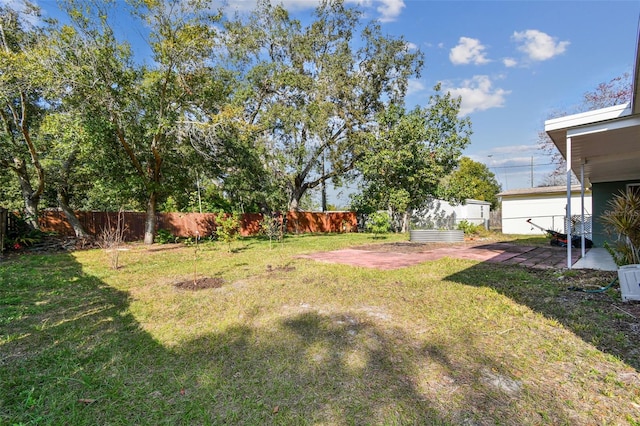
[514, 63]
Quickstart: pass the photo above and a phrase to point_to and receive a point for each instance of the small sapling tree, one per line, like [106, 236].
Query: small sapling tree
[379, 223]
[227, 228]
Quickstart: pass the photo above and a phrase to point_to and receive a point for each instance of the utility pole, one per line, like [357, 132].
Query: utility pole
[532, 171]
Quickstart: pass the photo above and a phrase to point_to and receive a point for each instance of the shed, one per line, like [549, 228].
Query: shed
[440, 214]
[545, 206]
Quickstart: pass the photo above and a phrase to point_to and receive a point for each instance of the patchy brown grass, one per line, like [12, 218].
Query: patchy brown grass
[285, 340]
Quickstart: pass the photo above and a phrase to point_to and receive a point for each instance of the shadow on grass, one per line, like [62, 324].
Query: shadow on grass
[320, 368]
[71, 352]
[597, 318]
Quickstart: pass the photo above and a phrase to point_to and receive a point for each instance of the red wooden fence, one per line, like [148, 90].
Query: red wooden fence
[190, 224]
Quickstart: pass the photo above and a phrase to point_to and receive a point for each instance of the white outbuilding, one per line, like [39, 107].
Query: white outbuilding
[545, 206]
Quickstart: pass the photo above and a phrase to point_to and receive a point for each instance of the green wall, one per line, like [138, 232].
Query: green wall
[602, 193]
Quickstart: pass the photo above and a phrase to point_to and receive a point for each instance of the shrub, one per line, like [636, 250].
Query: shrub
[379, 223]
[165, 237]
[468, 227]
[112, 237]
[622, 219]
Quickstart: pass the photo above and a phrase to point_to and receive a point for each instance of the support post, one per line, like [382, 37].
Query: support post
[582, 210]
[568, 218]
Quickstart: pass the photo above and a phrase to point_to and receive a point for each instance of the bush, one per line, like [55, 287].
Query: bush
[22, 236]
[468, 228]
[623, 221]
[165, 237]
[379, 223]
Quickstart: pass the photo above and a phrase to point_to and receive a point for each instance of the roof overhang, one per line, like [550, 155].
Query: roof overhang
[605, 141]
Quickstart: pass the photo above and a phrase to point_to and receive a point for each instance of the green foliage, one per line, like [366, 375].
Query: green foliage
[411, 153]
[23, 82]
[622, 220]
[379, 223]
[471, 180]
[227, 228]
[22, 235]
[309, 93]
[468, 227]
[163, 236]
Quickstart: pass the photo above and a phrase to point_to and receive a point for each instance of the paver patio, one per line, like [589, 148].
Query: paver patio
[512, 254]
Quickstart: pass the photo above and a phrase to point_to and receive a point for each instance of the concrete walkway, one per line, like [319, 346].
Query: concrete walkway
[596, 258]
[505, 253]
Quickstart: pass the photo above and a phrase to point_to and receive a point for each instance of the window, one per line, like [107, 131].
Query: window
[635, 187]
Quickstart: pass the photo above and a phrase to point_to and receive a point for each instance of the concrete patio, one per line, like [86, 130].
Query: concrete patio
[504, 253]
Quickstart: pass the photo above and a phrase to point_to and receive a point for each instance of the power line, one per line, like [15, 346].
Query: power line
[523, 165]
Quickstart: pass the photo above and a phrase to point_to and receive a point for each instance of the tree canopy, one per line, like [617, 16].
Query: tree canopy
[251, 112]
[311, 93]
[410, 153]
[471, 180]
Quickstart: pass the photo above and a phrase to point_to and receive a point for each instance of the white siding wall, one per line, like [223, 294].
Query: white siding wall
[474, 212]
[547, 211]
[440, 214]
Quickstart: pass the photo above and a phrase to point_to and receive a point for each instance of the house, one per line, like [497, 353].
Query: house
[545, 206]
[602, 147]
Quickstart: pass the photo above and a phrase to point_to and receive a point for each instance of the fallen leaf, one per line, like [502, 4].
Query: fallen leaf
[276, 409]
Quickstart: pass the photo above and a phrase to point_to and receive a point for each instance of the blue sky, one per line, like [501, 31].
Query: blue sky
[513, 63]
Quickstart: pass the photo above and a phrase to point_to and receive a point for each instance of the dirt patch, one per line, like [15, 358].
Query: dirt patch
[404, 247]
[201, 284]
[285, 268]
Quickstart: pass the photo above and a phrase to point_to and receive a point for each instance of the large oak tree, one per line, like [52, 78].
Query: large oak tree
[310, 93]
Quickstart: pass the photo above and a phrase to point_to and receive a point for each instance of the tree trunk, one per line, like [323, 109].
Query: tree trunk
[63, 197]
[150, 219]
[296, 196]
[63, 202]
[406, 218]
[29, 196]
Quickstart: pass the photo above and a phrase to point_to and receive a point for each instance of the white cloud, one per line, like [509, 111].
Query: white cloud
[509, 62]
[468, 50]
[248, 5]
[411, 46]
[539, 46]
[415, 86]
[390, 9]
[478, 94]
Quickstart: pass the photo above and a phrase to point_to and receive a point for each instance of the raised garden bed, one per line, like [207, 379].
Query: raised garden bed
[436, 236]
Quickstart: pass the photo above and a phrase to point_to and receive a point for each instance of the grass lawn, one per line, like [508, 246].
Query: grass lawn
[290, 341]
